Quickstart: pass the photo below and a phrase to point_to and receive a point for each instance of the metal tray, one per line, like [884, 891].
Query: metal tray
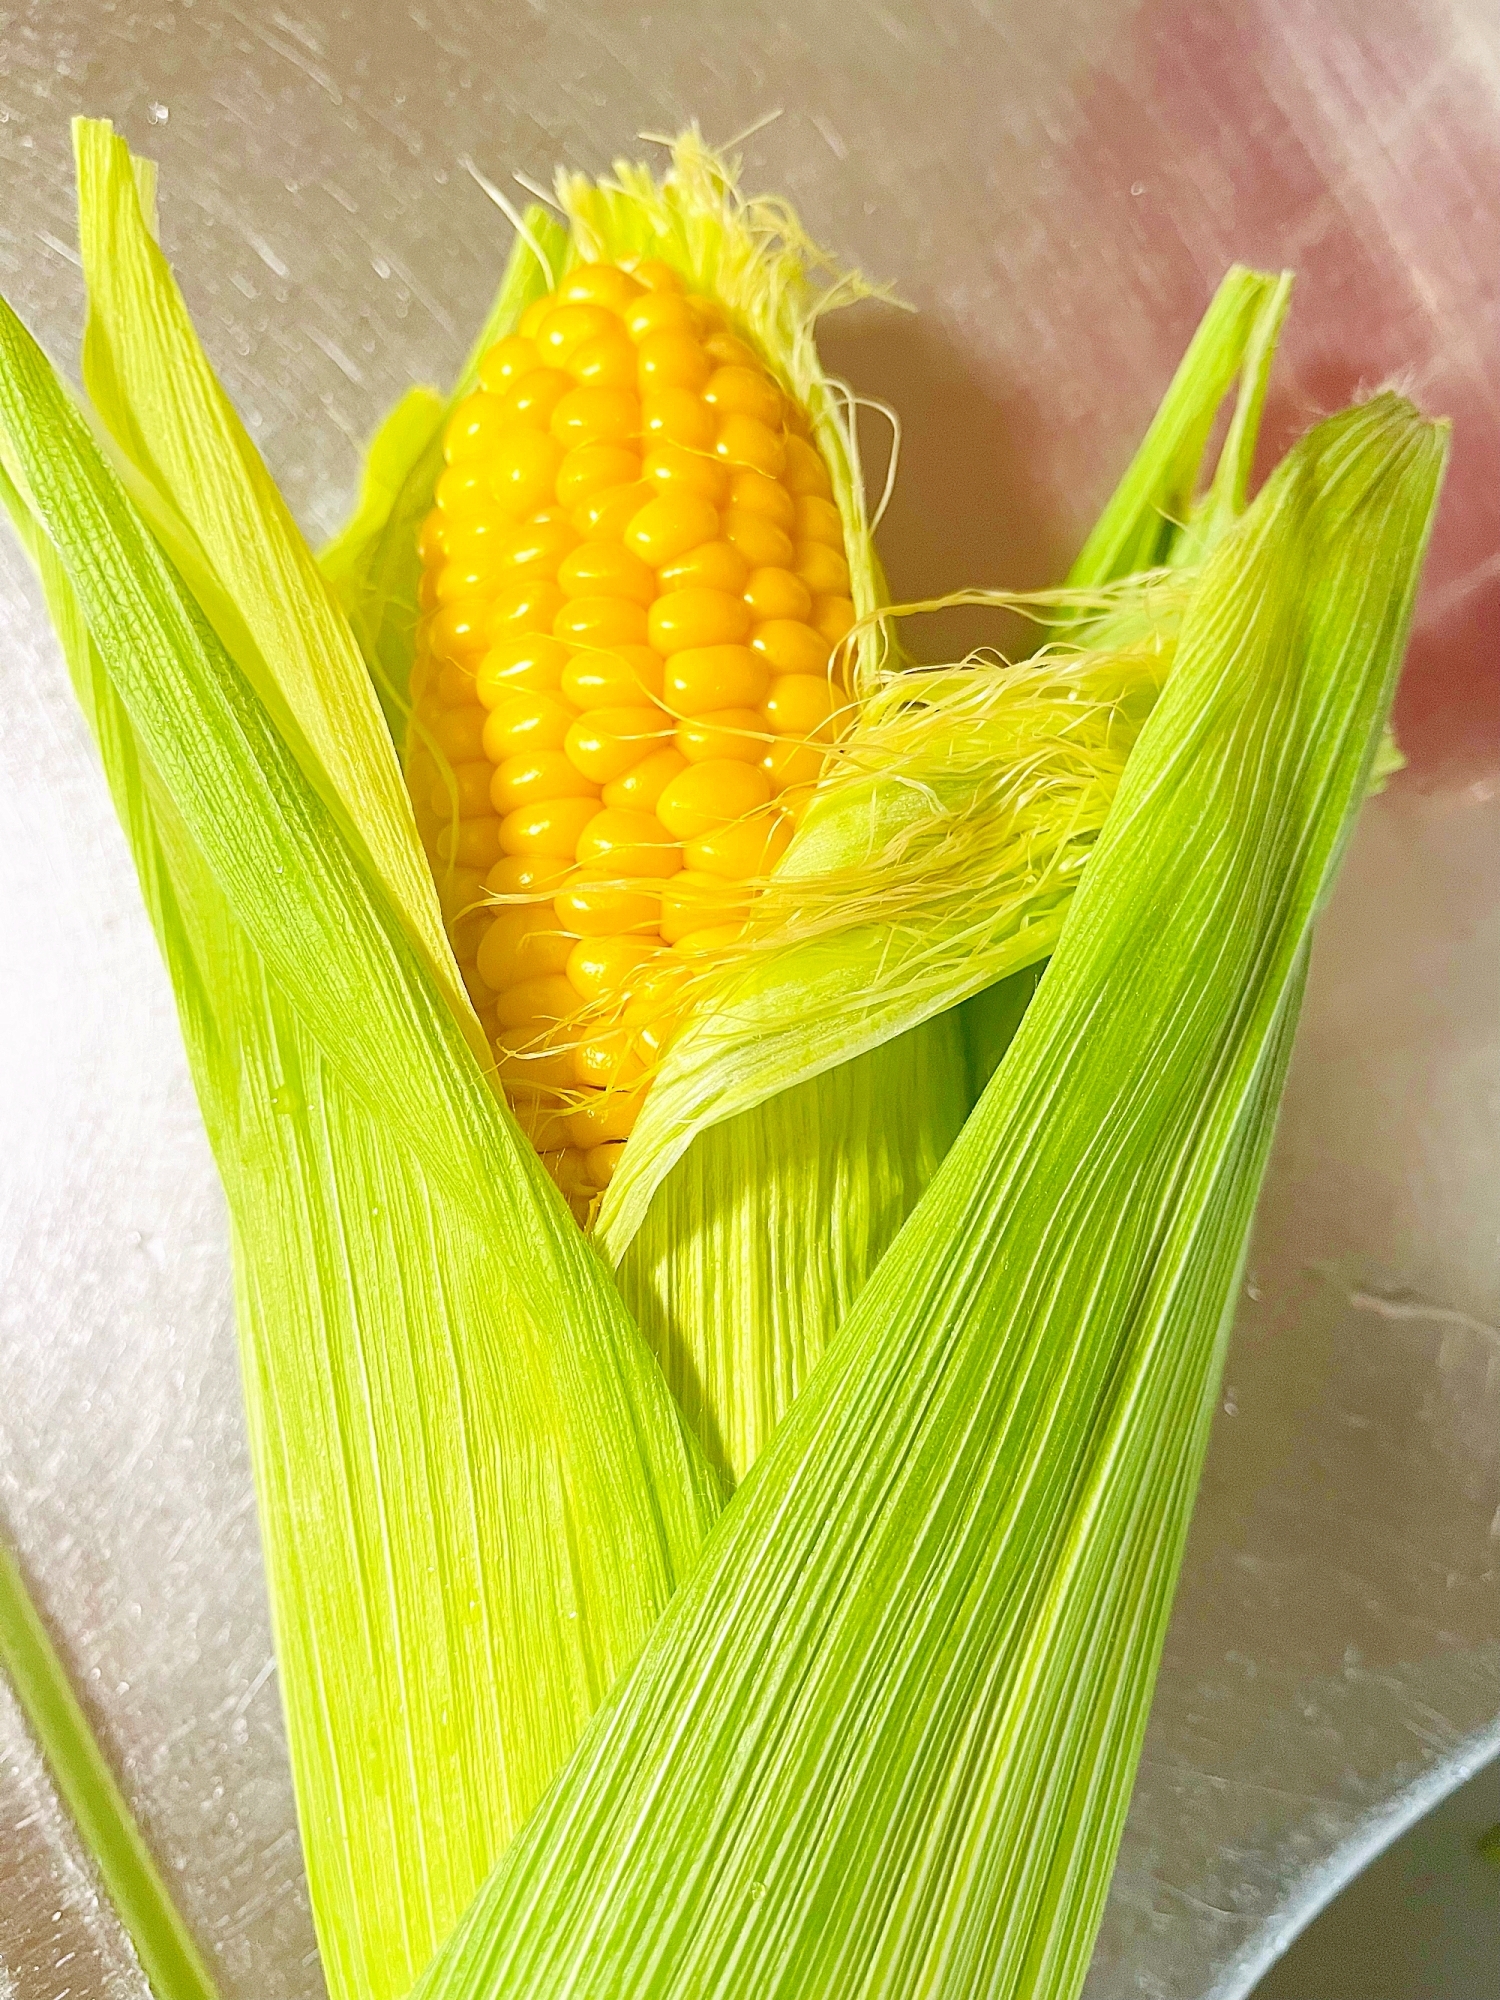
[1057, 189]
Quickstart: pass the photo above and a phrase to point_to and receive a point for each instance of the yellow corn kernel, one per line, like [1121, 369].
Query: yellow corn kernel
[705, 796]
[599, 285]
[622, 677]
[526, 875]
[480, 996]
[458, 734]
[527, 605]
[744, 392]
[591, 469]
[456, 581]
[605, 362]
[523, 722]
[611, 1057]
[601, 1162]
[506, 362]
[713, 566]
[792, 765]
[478, 428]
[801, 705]
[541, 1116]
[432, 539]
[822, 569]
[596, 416]
[805, 472]
[740, 852]
[672, 360]
[754, 493]
[747, 441]
[673, 469]
[606, 622]
[465, 914]
[602, 966]
[459, 580]
[523, 1063]
[459, 631]
[695, 617]
[833, 617]
[668, 528]
[538, 546]
[421, 766]
[632, 575]
[724, 732]
[643, 784]
[552, 828]
[704, 943]
[656, 276]
[537, 777]
[531, 663]
[605, 514]
[760, 542]
[568, 1168]
[523, 465]
[568, 326]
[677, 416]
[695, 902]
[479, 534]
[609, 1114]
[658, 312]
[607, 742]
[536, 1002]
[777, 593]
[628, 843]
[471, 843]
[818, 521]
[601, 906]
[533, 398]
[455, 686]
[789, 647]
[606, 569]
[704, 678]
[524, 942]
[462, 487]
[463, 789]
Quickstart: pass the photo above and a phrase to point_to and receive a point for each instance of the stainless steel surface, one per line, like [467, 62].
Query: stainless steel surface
[1056, 188]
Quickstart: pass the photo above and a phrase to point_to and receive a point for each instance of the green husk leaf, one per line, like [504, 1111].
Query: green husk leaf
[163, 1943]
[882, 1741]
[1144, 525]
[442, 1384]
[215, 507]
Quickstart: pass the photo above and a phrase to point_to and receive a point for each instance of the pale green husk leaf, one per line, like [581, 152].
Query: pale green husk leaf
[215, 508]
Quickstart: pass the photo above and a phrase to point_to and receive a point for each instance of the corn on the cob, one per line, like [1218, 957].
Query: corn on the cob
[634, 585]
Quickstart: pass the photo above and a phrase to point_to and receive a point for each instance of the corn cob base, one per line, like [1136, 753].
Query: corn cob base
[634, 585]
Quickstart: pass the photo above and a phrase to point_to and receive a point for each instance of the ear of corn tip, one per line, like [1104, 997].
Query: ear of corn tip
[634, 586]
